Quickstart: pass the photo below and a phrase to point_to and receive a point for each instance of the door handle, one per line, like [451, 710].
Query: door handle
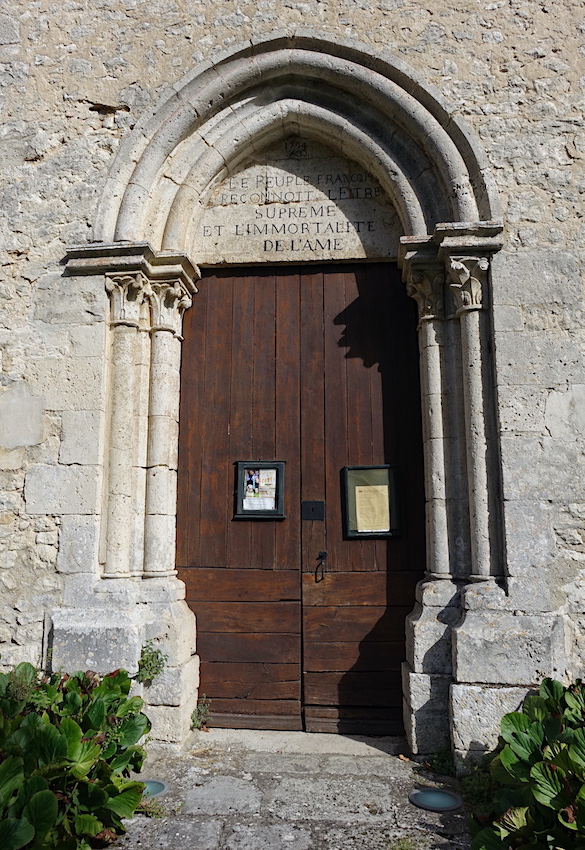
[320, 568]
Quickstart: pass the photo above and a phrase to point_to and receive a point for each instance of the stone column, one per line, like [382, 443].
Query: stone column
[467, 280]
[425, 285]
[169, 300]
[127, 298]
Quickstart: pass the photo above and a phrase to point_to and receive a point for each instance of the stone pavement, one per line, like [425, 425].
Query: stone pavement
[249, 790]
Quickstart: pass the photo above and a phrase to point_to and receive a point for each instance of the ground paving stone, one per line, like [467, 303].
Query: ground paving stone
[246, 790]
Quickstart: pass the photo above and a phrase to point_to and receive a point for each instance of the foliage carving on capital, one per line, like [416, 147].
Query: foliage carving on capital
[425, 285]
[128, 292]
[467, 280]
[169, 299]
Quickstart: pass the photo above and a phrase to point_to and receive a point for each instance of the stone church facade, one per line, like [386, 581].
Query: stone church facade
[143, 144]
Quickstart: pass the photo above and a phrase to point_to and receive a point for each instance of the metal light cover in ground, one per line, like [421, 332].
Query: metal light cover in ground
[154, 787]
[435, 799]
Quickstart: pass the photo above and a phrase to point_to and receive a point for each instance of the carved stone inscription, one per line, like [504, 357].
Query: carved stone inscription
[300, 203]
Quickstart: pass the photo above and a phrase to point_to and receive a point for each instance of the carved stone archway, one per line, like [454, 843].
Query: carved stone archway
[376, 111]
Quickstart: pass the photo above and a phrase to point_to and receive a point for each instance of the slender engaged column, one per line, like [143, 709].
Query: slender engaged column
[127, 293]
[425, 284]
[169, 301]
[467, 280]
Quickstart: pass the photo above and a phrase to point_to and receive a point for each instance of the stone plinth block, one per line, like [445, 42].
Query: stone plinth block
[428, 638]
[175, 685]
[95, 639]
[494, 647]
[171, 723]
[426, 710]
[173, 627]
[476, 713]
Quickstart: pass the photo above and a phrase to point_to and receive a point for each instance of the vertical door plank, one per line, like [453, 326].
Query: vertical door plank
[241, 407]
[262, 534]
[288, 411]
[313, 539]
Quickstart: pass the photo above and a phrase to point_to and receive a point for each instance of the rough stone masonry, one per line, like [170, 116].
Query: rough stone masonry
[129, 145]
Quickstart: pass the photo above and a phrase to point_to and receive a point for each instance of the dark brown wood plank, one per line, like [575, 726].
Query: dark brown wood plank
[313, 533]
[216, 475]
[355, 721]
[248, 617]
[288, 411]
[262, 552]
[369, 623]
[341, 555]
[250, 691]
[229, 585]
[263, 648]
[241, 408]
[353, 688]
[250, 721]
[273, 707]
[345, 655]
[246, 673]
[345, 589]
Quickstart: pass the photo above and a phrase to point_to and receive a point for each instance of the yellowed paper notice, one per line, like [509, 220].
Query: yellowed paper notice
[372, 508]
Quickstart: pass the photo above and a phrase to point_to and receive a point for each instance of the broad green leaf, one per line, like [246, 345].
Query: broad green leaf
[84, 758]
[73, 733]
[25, 672]
[513, 723]
[15, 833]
[29, 787]
[47, 745]
[535, 708]
[41, 812]
[91, 796]
[528, 745]
[11, 776]
[552, 728]
[488, 839]
[130, 706]
[121, 761]
[125, 803]
[72, 703]
[517, 768]
[513, 820]
[548, 786]
[87, 825]
[552, 690]
[133, 728]
[96, 713]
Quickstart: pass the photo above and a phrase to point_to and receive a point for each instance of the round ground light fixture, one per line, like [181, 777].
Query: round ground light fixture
[435, 799]
[154, 787]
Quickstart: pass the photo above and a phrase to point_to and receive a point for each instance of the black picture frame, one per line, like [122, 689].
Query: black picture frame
[257, 496]
[371, 508]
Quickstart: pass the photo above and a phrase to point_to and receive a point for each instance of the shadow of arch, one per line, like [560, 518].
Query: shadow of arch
[379, 327]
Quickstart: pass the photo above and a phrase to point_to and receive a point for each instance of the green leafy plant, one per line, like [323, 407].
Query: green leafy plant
[151, 663]
[441, 762]
[541, 768]
[202, 714]
[67, 745]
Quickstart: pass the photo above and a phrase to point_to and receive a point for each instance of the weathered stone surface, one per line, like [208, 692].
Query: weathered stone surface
[79, 538]
[222, 795]
[95, 640]
[21, 417]
[62, 489]
[175, 685]
[476, 713]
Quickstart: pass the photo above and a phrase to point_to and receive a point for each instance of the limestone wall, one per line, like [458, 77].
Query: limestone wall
[76, 76]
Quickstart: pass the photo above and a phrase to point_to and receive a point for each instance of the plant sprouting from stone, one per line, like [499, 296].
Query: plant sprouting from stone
[202, 714]
[151, 663]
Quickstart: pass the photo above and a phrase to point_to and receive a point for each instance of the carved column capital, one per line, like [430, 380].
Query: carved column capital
[128, 292]
[467, 278]
[426, 284]
[169, 299]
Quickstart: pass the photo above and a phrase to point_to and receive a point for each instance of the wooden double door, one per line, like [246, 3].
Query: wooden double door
[316, 367]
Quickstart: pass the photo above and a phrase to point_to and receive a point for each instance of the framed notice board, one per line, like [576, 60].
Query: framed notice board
[259, 489]
[370, 501]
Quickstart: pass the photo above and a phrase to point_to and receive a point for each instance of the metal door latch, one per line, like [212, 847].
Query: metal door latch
[320, 568]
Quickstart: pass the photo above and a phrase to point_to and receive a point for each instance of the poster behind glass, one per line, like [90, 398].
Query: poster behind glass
[260, 490]
[370, 502]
